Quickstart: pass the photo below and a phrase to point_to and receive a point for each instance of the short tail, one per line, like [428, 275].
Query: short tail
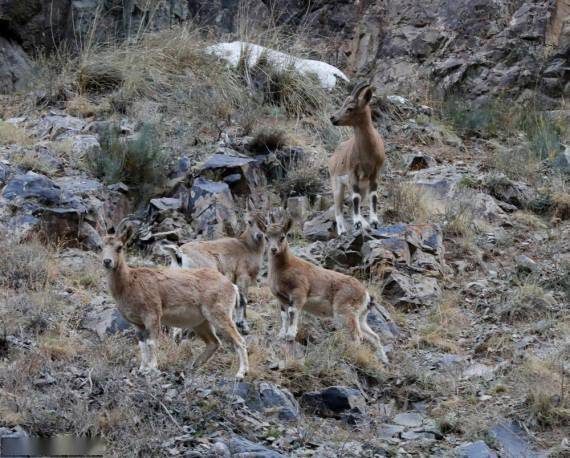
[238, 297]
[174, 252]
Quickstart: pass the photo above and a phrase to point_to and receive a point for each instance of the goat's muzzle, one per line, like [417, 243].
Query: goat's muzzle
[274, 250]
[258, 237]
[107, 263]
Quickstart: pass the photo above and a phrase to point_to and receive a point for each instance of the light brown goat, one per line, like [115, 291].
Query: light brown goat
[300, 285]
[200, 299]
[356, 163]
[239, 259]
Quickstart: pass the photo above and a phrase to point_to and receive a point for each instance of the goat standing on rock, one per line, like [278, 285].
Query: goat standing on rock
[200, 299]
[300, 285]
[357, 162]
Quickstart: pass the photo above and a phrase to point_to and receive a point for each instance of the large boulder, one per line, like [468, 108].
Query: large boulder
[211, 208]
[242, 174]
[69, 209]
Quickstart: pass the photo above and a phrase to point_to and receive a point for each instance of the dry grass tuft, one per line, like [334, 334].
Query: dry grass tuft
[446, 321]
[30, 265]
[31, 159]
[80, 105]
[561, 205]
[268, 140]
[527, 302]
[409, 203]
[13, 135]
[548, 400]
[528, 220]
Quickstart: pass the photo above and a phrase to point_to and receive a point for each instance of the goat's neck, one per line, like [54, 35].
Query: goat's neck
[251, 245]
[366, 139]
[119, 277]
[280, 261]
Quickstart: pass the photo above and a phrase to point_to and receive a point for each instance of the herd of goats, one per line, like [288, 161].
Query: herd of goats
[206, 286]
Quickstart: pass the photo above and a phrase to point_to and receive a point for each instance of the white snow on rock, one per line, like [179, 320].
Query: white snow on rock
[231, 52]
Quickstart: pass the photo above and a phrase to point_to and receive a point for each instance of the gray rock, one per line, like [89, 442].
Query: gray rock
[477, 449]
[386, 431]
[525, 264]
[32, 186]
[321, 227]
[105, 322]
[562, 161]
[514, 441]
[298, 207]
[85, 145]
[211, 207]
[243, 448]
[409, 419]
[407, 291]
[243, 174]
[267, 398]
[55, 125]
[15, 66]
[334, 401]
[393, 250]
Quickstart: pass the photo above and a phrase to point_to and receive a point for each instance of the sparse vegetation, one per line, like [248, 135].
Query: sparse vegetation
[28, 265]
[139, 162]
[13, 135]
[528, 302]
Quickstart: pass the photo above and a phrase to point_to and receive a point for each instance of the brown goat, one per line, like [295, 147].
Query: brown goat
[299, 285]
[357, 162]
[239, 259]
[200, 299]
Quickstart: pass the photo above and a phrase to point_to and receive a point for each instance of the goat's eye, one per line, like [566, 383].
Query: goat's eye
[282, 237]
[250, 223]
[119, 248]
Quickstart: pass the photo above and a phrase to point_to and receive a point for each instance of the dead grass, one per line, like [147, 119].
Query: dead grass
[561, 205]
[527, 302]
[528, 220]
[547, 401]
[408, 203]
[268, 140]
[445, 322]
[32, 159]
[13, 135]
[29, 265]
[81, 105]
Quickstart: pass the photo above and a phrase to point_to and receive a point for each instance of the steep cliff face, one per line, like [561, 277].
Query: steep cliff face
[474, 47]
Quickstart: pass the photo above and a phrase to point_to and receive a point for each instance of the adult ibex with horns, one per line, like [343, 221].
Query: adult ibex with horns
[357, 162]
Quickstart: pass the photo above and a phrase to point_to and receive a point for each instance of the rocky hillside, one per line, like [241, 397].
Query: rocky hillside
[471, 262]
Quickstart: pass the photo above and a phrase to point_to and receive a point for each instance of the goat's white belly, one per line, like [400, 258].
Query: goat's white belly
[319, 306]
[182, 316]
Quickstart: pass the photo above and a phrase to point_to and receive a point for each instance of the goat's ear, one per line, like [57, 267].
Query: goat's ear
[249, 205]
[287, 226]
[366, 95]
[261, 224]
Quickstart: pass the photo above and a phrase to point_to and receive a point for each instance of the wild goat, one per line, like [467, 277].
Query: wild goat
[239, 259]
[201, 299]
[357, 162]
[300, 285]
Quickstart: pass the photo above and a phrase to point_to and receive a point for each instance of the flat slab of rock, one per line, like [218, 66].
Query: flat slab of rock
[409, 419]
[514, 441]
[240, 447]
[477, 449]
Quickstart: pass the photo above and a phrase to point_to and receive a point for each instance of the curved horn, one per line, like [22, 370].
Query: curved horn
[359, 88]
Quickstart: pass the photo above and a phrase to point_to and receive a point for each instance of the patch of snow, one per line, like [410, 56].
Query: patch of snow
[231, 52]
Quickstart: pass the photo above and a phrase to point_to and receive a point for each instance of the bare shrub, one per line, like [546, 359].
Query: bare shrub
[28, 265]
[527, 302]
[13, 135]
